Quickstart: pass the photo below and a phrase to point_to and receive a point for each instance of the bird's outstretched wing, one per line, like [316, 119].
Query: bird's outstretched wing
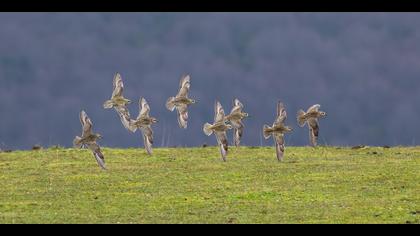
[184, 86]
[238, 103]
[182, 115]
[239, 128]
[100, 159]
[313, 131]
[281, 114]
[118, 85]
[236, 109]
[237, 106]
[223, 143]
[279, 139]
[313, 108]
[124, 115]
[219, 113]
[144, 108]
[86, 124]
[147, 138]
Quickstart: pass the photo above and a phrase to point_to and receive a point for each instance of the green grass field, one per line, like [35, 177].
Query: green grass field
[192, 185]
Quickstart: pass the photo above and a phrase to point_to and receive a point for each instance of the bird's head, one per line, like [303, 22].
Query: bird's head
[322, 113]
[193, 101]
[154, 120]
[98, 136]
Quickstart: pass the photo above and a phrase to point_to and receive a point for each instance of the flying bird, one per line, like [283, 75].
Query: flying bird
[118, 102]
[277, 130]
[219, 128]
[144, 122]
[89, 139]
[311, 117]
[235, 119]
[117, 98]
[181, 101]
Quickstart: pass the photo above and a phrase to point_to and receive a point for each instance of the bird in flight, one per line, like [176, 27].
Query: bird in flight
[235, 119]
[219, 128]
[118, 102]
[181, 101]
[311, 117]
[89, 139]
[144, 122]
[277, 130]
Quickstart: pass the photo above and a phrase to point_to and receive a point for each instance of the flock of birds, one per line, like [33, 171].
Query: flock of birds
[221, 124]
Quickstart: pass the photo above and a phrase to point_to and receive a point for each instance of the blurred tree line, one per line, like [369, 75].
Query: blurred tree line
[361, 67]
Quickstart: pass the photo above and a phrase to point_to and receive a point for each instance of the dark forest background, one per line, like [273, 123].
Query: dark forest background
[363, 68]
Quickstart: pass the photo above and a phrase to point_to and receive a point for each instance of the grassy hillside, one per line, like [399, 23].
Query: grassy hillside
[192, 185]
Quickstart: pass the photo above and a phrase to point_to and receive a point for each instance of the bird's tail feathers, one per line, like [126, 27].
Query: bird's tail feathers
[170, 105]
[266, 131]
[108, 104]
[301, 118]
[207, 129]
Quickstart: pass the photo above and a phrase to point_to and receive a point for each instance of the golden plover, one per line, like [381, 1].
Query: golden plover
[118, 102]
[278, 130]
[219, 128]
[89, 139]
[311, 117]
[235, 119]
[181, 101]
[144, 122]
